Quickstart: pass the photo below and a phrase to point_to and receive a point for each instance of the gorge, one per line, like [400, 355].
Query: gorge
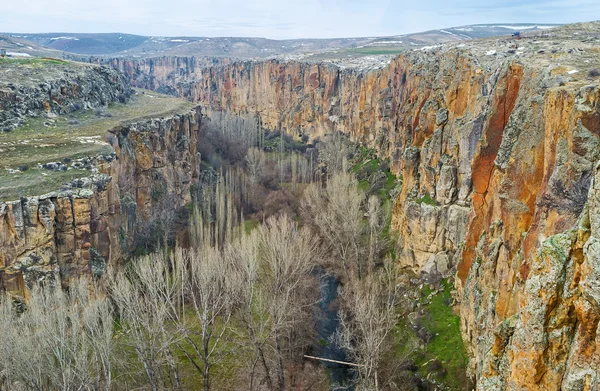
[497, 147]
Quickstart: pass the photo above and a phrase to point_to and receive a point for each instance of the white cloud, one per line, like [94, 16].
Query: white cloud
[279, 18]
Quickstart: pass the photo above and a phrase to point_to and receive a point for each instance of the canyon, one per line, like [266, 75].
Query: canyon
[503, 136]
[497, 146]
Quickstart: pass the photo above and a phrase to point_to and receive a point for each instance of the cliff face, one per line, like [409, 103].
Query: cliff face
[57, 232]
[84, 229]
[507, 148]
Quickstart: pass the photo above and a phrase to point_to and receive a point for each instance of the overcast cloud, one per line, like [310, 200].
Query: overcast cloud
[280, 18]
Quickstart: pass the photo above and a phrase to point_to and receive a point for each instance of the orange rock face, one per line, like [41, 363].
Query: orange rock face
[508, 155]
[47, 235]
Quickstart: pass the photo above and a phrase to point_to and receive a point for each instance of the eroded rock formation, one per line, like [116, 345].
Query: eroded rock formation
[56, 87]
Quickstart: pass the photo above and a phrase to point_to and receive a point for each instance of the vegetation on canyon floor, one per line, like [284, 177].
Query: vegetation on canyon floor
[238, 304]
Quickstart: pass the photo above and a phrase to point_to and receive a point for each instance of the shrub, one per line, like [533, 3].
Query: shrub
[594, 73]
[435, 365]
[100, 112]
[279, 202]
[426, 199]
[424, 335]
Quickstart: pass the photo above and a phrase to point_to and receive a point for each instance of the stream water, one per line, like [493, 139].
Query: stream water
[326, 324]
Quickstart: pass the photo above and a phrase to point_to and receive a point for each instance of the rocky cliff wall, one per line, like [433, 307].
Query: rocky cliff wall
[83, 229]
[505, 146]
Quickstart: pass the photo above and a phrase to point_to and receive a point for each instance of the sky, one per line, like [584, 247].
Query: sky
[280, 19]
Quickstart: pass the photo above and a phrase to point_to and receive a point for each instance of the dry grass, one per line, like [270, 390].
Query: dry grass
[30, 72]
[36, 143]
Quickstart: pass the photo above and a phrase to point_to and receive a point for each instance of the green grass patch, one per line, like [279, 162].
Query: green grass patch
[34, 182]
[30, 71]
[446, 343]
[375, 51]
[390, 184]
[426, 199]
[364, 185]
[365, 170]
[370, 165]
[249, 225]
[31, 61]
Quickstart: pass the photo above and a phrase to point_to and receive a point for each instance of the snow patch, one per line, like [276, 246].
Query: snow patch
[180, 40]
[525, 27]
[448, 32]
[90, 140]
[15, 54]
[384, 43]
[426, 48]
[514, 27]
[64, 38]
[572, 72]
[490, 52]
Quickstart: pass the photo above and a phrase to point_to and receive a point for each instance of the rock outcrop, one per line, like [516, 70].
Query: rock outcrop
[496, 144]
[88, 226]
[53, 87]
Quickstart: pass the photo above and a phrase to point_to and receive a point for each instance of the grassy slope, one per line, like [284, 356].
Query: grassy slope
[36, 143]
[31, 71]
[445, 346]
[33, 62]
[377, 50]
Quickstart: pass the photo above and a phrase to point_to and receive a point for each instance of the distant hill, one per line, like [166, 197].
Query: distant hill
[87, 43]
[19, 46]
[128, 45]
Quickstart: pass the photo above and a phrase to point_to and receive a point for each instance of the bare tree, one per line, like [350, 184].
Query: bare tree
[368, 317]
[377, 217]
[272, 271]
[21, 364]
[147, 299]
[251, 302]
[336, 213]
[98, 320]
[289, 255]
[208, 290]
[63, 340]
[255, 162]
[334, 151]
[216, 214]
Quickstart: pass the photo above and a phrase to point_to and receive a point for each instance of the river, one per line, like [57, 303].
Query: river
[326, 324]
